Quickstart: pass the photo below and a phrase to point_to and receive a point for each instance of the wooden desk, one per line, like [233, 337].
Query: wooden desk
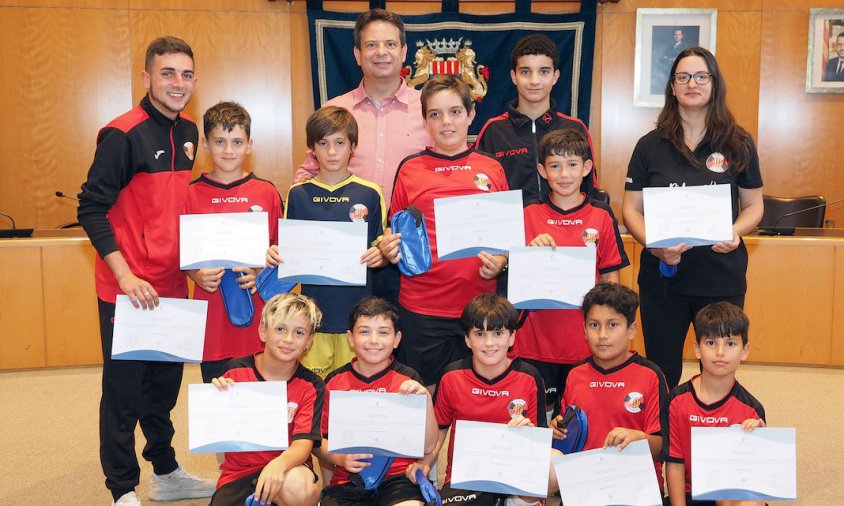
[48, 305]
[795, 301]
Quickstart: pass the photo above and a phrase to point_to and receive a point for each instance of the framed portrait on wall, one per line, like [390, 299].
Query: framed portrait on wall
[660, 36]
[825, 63]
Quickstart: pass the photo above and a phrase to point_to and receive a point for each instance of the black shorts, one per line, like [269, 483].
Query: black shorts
[429, 343]
[456, 496]
[393, 490]
[554, 376]
[692, 502]
[234, 493]
[213, 369]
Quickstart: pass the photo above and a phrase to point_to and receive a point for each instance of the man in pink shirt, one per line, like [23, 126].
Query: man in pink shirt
[388, 112]
[389, 117]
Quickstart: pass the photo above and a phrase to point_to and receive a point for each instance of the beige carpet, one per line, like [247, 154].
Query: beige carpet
[49, 448]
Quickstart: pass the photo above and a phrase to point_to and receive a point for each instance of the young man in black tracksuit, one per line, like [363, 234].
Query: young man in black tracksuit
[513, 137]
[129, 207]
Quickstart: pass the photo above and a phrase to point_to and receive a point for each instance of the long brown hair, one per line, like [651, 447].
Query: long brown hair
[726, 136]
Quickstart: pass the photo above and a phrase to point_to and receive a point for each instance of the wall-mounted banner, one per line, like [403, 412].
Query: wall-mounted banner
[476, 48]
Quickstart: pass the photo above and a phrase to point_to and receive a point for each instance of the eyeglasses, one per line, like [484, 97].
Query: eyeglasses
[700, 78]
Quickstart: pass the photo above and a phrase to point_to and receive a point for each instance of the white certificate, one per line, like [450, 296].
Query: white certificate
[606, 476]
[247, 417]
[541, 278]
[383, 424]
[172, 332]
[695, 215]
[731, 464]
[223, 240]
[492, 457]
[492, 222]
[322, 252]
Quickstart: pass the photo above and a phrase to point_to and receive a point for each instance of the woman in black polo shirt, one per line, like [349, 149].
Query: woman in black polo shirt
[696, 142]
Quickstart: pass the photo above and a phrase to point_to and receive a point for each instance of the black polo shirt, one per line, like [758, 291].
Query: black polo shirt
[657, 163]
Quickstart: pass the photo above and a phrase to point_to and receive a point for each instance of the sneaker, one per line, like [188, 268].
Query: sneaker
[179, 484]
[129, 499]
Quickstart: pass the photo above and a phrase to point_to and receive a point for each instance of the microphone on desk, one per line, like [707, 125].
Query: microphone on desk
[66, 196]
[777, 230]
[14, 226]
[14, 231]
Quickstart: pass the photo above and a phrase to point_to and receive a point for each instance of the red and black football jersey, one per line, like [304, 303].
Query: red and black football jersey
[685, 411]
[629, 395]
[462, 394]
[249, 194]
[305, 393]
[556, 335]
[448, 286]
[387, 381]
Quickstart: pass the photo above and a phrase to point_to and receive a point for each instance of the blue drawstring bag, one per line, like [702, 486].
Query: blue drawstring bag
[429, 491]
[238, 302]
[268, 284]
[370, 477]
[574, 419]
[415, 248]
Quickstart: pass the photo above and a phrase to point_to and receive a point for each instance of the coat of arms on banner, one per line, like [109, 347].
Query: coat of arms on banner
[441, 56]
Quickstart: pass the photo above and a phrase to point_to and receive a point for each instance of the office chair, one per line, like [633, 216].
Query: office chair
[776, 209]
[601, 195]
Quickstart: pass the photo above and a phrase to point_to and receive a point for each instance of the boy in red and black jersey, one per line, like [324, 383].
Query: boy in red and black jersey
[620, 391]
[282, 477]
[373, 336]
[430, 303]
[712, 398]
[552, 340]
[486, 387]
[229, 188]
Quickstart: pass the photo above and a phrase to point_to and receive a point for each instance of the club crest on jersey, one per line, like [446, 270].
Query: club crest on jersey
[291, 411]
[717, 163]
[590, 237]
[481, 180]
[256, 209]
[358, 212]
[189, 149]
[634, 402]
[517, 408]
[447, 56]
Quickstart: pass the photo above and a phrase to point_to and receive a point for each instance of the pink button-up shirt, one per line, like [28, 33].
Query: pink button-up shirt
[386, 134]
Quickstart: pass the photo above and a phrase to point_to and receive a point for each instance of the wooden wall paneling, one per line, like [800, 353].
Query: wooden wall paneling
[738, 53]
[21, 306]
[302, 85]
[73, 4]
[65, 75]
[725, 5]
[799, 140]
[836, 355]
[250, 65]
[771, 5]
[210, 5]
[71, 318]
[622, 124]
